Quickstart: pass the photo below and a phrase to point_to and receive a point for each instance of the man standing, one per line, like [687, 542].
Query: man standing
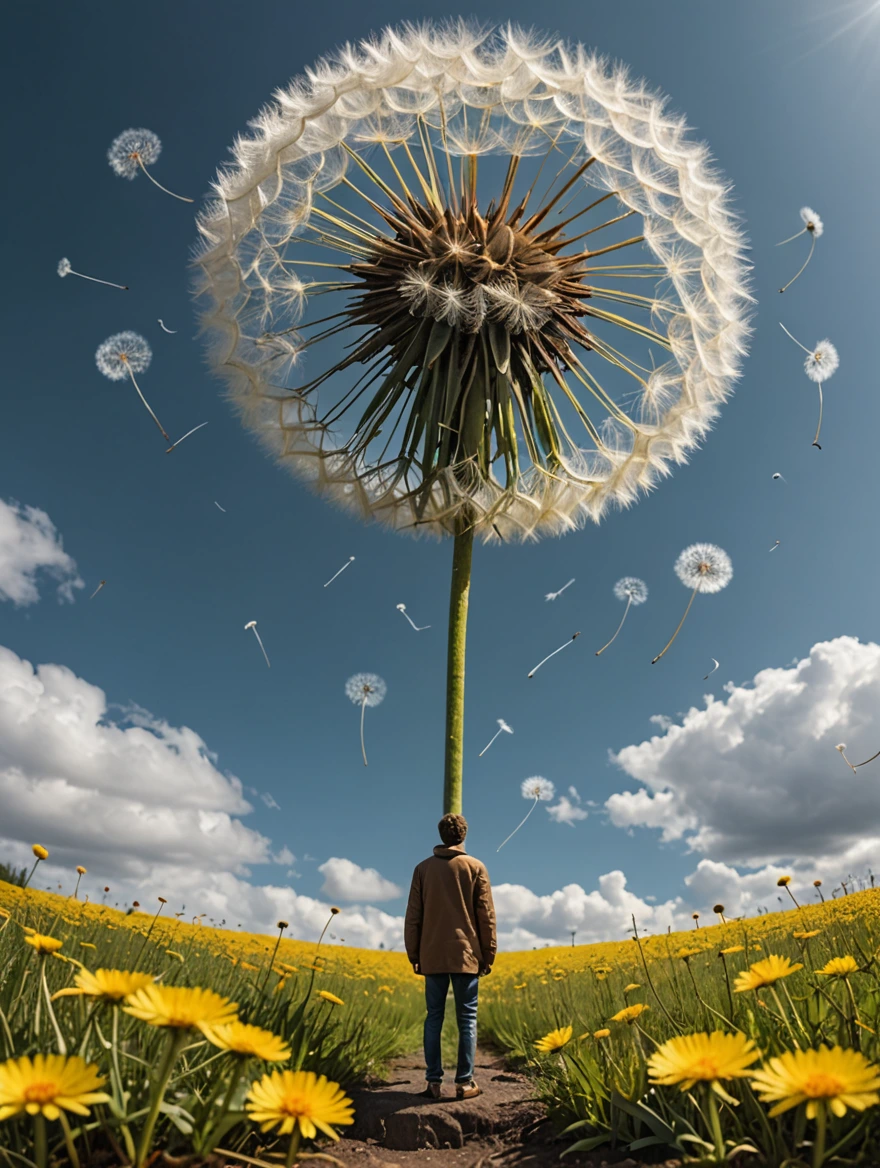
[450, 936]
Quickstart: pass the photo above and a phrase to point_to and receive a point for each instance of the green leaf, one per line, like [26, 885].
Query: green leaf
[586, 1145]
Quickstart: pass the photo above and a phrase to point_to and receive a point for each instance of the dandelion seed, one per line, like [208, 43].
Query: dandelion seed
[553, 654]
[253, 625]
[711, 671]
[814, 226]
[172, 332]
[503, 728]
[554, 595]
[133, 151]
[184, 438]
[775, 545]
[841, 747]
[350, 560]
[632, 590]
[101, 584]
[704, 567]
[821, 363]
[537, 788]
[365, 689]
[777, 476]
[65, 269]
[123, 355]
[219, 508]
[418, 628]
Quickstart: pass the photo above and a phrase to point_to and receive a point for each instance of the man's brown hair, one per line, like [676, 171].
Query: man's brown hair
[453, 829]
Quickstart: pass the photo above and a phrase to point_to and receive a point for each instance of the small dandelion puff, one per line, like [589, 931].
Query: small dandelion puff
[171, 332]
[253, 625]
[777, 476]
[813, 226]
[631, 590]
[539, 789]
[702, 567]
[132, 152]
[554, 595]
[123, 355]
[65, 269]
[184, 438]
[574, 637]
[350, 560]
[503, 728]
[101, 584]
[365, 689]
[418, 628]
[821, 362]
[712, 670]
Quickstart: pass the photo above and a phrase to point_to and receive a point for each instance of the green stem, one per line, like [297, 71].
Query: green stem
[715, 1124]
[68, 1141]
[459, 592]
[40, 1152]
[214, 1133]
[59, 1037]
[293, 1149]
[175, 1041]
[819, 1142]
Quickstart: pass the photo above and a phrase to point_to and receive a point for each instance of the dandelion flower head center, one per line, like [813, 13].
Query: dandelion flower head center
[822, 1086]
[40, 1092]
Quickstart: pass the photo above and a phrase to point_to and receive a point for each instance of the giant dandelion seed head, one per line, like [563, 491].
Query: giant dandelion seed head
[822, 362]
[811, 221]
[497, 332]
[537, 788]
[130, 149]
[631, 589]
[367, 689]
[704, 566]
[65, 267]
[122, 354]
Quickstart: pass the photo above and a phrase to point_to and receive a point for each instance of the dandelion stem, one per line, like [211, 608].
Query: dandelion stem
[867, 760]
[40, 1150]
[166, 436]
[292, 1149]
[553, 654]
[599, 652]
[95, 280]
[363, 711]
[819, 427]
[489, 743]
[176, 1040]
[182, 198]
[796, 341]
[715, 1124]
[68, 1141]
[680, 623]
[186, 435]
[796, 235]
[459, 594]
[59, 1037]
[806, 261]
[819, 1142]
[516, 829]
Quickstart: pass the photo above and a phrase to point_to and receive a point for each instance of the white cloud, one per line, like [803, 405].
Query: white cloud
[567, 810]
[345, 880]
[29, 544]
[754, 780]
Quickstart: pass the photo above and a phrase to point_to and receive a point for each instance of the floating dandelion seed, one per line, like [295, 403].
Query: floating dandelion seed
[101, 584]
[133, 151]
[476, 379]
[537, 788]
[711, 671]
[553, 654]
[812, 225]
[219, 508]
[253, 625]
[123, 355]
[777, 476]
[841, 747]
[632, 590]
[172, 332]
[65, 269]
[554, 595]
[775, 545]
[821, 363]
[704, 567]
[418, 628]
[350, 560]
[184, 438]
[365, 689]
[503, 728]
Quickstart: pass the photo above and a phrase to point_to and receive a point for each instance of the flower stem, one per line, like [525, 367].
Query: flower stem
[165, 435]
[715, 1124]
[819, 427]
[363, 711]
[599, 652]
[806, 261]
[68, 1141]
[176, 1040]
[293, 1149]
[819, 1142]
[516, 829]
[459, 592]
[182, 198]
[40, 1152]
[680, 623]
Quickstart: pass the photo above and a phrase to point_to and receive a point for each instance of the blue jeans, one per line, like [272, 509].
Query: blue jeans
[465, 989]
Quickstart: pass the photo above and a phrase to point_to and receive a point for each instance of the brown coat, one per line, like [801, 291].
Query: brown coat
[450, 917]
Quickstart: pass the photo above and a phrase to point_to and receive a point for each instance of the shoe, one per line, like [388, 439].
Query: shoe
[467, 1090]
[432, 1091]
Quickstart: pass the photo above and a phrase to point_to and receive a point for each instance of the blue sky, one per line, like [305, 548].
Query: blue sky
[786, 117]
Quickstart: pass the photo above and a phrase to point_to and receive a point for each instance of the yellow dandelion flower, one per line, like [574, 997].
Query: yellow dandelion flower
[40, 852]
[604, 1033]
[384, 989]
[702, 1058]
[248, 1041]
[783, 882]
[43, 944]
[837, 1077]
[328, 997]
[732, 949]
[334, 910]
[47, 1084]
[180, 1007]
[764, 973]
[555, 1040]
[686, 953]
[839, 967]
[629, 1013]
[522, 985]
[806, 936]
[288, 968]
[252, 968]
[631, 988]
[299, 1099]
[81, 871]
[110, 984]
[87, 945]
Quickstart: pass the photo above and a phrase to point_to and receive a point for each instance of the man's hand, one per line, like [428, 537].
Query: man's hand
[485, 970]
[417, 969]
